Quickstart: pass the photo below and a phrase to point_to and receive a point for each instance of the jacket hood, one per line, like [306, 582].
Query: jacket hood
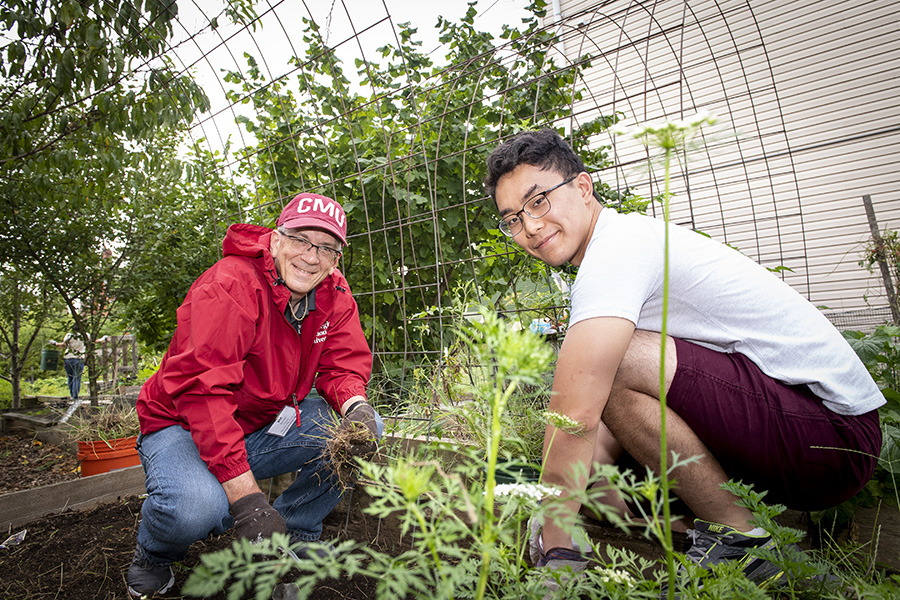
[243, 239]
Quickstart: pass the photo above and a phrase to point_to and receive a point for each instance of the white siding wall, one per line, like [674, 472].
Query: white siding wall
[808, 96]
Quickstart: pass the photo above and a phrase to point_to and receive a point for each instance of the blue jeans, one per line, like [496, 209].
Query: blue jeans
[74, 367]
[186, 502]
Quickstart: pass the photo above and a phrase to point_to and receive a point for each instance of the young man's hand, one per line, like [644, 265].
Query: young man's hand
[255, 519]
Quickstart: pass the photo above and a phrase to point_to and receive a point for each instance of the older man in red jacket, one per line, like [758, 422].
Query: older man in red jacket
[233, 399]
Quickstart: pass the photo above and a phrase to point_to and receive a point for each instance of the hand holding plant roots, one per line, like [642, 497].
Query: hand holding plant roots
[355, 436]
[362, 414]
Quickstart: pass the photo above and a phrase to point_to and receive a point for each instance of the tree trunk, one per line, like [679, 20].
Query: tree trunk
[16, 380]
[15, 368]
[90, 362]
[18, 355]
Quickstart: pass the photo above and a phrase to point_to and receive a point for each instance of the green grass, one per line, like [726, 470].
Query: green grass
[49, 386]
[5, 394]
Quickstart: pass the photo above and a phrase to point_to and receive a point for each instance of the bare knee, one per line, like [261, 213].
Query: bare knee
[640, 366]
[638, 374]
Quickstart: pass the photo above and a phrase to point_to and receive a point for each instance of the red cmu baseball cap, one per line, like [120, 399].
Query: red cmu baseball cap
[313, 210]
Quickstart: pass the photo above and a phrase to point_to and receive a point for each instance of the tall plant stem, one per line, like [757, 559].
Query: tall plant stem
[487, 532]
[663, 451]
[550, 445]
[420, 518]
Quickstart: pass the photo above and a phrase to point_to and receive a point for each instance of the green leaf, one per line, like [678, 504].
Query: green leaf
[64, 16]
[68, 63]
[890, 449]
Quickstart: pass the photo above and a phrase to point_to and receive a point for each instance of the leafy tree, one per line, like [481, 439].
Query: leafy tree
[89, 125]
[25, 305]
[178, 241]
[91, 66]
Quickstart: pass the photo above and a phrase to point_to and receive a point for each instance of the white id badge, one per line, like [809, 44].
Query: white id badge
[283, 421]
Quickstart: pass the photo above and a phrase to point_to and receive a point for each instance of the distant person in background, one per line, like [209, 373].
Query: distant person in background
[73, 361]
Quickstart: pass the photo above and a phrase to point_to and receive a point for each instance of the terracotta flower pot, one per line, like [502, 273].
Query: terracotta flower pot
[100, 457]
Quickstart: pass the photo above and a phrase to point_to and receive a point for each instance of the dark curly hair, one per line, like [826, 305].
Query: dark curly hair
[544, 149]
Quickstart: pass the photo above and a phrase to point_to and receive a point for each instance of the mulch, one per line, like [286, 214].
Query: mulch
[27, 462]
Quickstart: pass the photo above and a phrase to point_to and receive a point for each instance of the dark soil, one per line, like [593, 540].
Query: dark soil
[84, 556]
[26, 462]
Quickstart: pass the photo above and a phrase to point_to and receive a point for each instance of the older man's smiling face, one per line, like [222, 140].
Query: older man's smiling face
[302, 270]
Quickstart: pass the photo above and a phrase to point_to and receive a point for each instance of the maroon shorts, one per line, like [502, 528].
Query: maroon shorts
[778, 437]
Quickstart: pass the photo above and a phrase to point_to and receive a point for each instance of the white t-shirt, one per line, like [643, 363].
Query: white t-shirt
[720, 299]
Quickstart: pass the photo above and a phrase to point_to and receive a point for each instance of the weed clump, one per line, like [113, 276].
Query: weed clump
[341, 450]
[104, 424]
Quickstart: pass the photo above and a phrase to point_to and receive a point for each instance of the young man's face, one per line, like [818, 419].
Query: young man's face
[561, 235]
[301, 269]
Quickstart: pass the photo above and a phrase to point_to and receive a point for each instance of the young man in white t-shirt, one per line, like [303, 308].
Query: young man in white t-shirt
[759, 384]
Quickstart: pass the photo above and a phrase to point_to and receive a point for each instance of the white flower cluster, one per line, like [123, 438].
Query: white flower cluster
[616, 576]
[526, 491]
[567, 424]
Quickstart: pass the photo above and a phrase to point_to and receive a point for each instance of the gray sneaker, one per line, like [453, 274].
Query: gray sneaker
[534, 540]
[714, 543]
[560, 566]
[146, 580]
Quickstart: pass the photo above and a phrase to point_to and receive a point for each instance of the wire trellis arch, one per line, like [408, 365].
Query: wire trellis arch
[638, 60]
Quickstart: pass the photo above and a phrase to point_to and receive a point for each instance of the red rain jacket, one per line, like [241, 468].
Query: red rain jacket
[235, 361]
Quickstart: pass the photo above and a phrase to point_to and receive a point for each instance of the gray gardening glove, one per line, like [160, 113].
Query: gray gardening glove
[254, 519]
[362, 414]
